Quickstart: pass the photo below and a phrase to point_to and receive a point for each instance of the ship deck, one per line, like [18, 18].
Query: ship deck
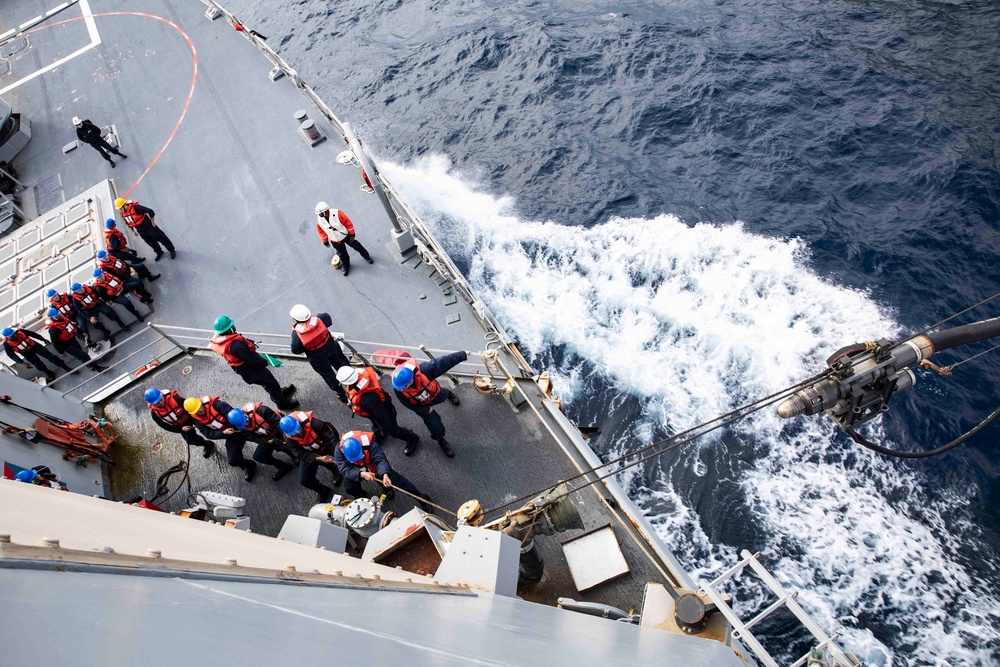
[235, 190]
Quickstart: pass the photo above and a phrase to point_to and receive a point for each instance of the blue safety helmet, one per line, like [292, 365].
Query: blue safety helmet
[101, 254]
[98, 273]
[76, 287]
[352, 449]
[26, 476]
[52, 312]
[109, 223]
[7, 332]
[50, 293]
[289, 425]
[153, 395]
[237, 418]
[402, 377]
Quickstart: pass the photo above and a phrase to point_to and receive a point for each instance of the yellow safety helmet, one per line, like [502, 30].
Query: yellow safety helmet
[119, 203]
[192, 404]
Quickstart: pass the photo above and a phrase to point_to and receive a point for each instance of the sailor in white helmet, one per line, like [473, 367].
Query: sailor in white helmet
[335, 227]
[89, 133]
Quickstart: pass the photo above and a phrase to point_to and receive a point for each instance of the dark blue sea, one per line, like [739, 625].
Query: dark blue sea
[680, 206]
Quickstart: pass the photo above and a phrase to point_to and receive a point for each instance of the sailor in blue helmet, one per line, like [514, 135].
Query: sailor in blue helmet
[417, 388]
[264, 432]
[117, 245]
[123, 268]
[63, 332]
[313, 441]
[113, 289]
[167, 410]
[360, 458]
[18, 343]
[89, 305]
[67, 305]
[41, 476]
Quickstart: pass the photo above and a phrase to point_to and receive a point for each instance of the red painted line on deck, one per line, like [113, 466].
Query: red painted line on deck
[194, 76]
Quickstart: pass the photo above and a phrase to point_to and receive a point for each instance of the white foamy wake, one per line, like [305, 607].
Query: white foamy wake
[697, 320]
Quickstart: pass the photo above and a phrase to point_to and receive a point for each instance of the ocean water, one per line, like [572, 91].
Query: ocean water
[678, 207]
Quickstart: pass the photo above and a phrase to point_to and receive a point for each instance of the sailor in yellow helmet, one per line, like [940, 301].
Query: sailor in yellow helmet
[142, 219]
[210, 414]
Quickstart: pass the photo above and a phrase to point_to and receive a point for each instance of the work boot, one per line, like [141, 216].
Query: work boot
[453, 399]
[369, 260]
[173, 254]
[288, 391]
[122, 156]
[158, 256]
[288, 404]
[97, 368]
[250, 471]
[411, 446]
[282, 471]
[446, 448]
[208, 450]
[323, 495]
[112, 163]
[50, 377]
[346, 270]
[154, 276]
[342, 395]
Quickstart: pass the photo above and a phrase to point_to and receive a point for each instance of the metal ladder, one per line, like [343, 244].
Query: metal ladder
[826, 653]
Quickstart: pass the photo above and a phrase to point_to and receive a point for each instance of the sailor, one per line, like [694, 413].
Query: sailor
[264, 431]
[89, 305]
[142, 220]
[359, 458]
[209, 414]
[89, 133]
[314, 442]
[417, 388]
[113, 289]
[121, 268]
[19, 343]
[66, 304]
[335, 227]
[311, 336]
[241, 354]
[167, 410]
[368, 400]
[41, 476]
[63, 332]
[116, 243]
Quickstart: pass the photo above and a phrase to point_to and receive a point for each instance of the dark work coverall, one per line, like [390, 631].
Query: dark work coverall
[326, 360]
[73, 347]
[122, 299]
[270, 443]
[329, 439]
[352, 473]
[254, 370]
[234, 442]
[89, 133]
[32, 354]
[383, 417]
[150, 233]
[433, 369]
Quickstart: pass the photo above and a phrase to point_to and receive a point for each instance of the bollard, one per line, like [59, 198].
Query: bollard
[310, 132]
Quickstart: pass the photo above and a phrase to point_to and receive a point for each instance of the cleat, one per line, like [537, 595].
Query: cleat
[453, 399]
[209, 449]
[250, 470]
[411, 446]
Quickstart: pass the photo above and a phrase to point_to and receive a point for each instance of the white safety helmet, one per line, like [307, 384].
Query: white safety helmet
[299, 313]
[347, 375]
[322, 207]
[76, 120]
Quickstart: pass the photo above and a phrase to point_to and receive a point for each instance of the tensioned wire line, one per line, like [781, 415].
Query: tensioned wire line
[950, 318]
[674, 441]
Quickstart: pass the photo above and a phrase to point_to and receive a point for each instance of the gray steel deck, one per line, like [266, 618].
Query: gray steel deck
[235, 191]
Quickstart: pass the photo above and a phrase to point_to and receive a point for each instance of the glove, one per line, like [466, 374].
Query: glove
[326, 243]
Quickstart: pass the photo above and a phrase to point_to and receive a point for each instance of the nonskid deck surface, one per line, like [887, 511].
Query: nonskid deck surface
[235, 191]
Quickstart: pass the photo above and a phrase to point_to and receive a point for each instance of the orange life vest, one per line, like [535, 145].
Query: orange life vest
[114, 233]
[211, 418]
[367, 383]
[114, 266]
[21, 341]
[256, 423]
[221, 343]
[422, 391]
[114, 286]
[88, 298]
[63, 303]
[306, 437]
[365, 438]
[172, 411]
[131, 218]
[66, 328]
[312, 333]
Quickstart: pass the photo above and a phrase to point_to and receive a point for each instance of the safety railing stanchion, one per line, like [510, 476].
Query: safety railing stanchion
[163, 333]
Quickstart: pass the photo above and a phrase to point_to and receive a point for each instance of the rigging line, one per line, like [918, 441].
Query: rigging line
[864, 442]
[772, 398]
[420, 500]
[954, 366]
[948, 319]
